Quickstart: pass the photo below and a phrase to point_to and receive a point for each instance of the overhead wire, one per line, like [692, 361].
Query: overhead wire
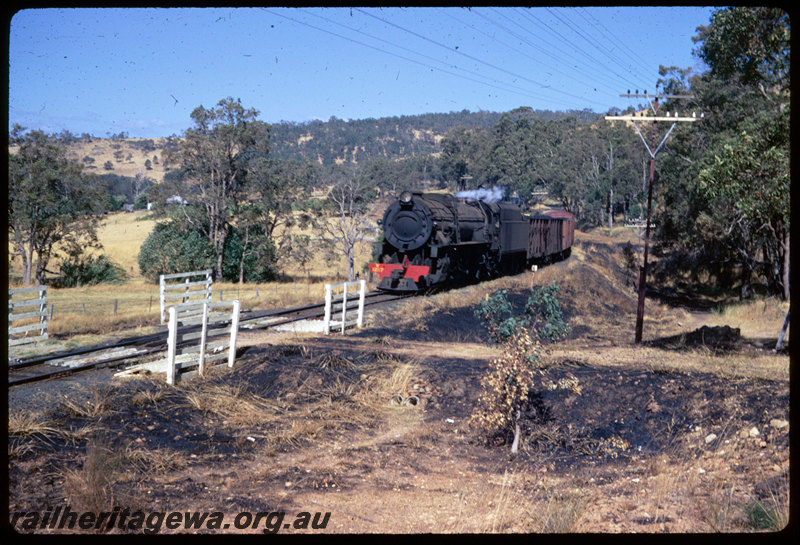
[467, 55]
[553, 94]
[489, 81]
[528, 94]
[612, 58]
[537, 47]
[589, 18]
[550, 28]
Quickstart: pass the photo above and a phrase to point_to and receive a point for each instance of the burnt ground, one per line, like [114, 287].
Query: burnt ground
[687, 434]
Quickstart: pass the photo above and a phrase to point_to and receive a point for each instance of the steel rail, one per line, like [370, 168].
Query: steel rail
[156, 336]
[302, 314]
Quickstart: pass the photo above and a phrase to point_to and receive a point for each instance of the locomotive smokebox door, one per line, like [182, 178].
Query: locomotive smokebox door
[407, 225]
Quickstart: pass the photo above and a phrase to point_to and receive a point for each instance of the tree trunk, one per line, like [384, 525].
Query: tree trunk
[244, 253]
[786, 266]
[351, 265]
[515, 443]
[745, 277]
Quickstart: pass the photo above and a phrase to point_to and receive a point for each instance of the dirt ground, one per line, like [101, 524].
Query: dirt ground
[689, 433]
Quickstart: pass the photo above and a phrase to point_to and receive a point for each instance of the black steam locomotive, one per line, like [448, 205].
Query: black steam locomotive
[437, 239]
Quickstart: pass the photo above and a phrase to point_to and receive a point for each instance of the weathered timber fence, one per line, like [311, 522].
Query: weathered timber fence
[189, 360]
[40, 301]
[181, 363]
[336, 299]
[182, 289]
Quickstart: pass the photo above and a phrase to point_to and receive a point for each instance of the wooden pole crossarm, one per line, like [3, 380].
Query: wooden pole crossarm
[650, 118]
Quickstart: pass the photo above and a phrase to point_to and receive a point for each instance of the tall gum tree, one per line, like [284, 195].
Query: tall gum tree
[217, 155]
[52, 203]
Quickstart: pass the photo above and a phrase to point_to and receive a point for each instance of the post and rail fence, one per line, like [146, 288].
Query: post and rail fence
[39, 301]
[336, 300]
[216, 340]
[182, 289]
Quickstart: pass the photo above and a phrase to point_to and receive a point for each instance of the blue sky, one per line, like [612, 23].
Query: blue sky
[143, 71]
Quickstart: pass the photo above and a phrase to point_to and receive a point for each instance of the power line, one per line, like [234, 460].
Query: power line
[464, 54]
[608, 50]
[582, 51]
[522, 93]
[632, 52]
[534, 46]
[509, 87]
[575, 62]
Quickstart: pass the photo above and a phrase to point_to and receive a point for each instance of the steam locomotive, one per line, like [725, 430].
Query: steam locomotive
[439, 239]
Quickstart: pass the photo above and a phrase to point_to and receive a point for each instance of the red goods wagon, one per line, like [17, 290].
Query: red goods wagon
[551, 234]
[567, 227]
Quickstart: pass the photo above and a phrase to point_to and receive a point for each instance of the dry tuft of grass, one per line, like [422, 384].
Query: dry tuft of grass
[90, 488]
[24, 428]
[559, 511]
[233, 403]
[154, 460]
[24, 423]
[99, 404]
[334, 361]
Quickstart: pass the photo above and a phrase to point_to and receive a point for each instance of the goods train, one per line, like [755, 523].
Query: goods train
[438, 239]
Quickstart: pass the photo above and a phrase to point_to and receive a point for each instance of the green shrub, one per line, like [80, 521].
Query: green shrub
[173, 248]
[84, 271]
[542, 315]
[511, 378]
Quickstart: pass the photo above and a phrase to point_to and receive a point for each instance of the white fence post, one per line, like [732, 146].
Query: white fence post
[171, 345]
[328, 295]
[329, 289]
[234, 332]
[344, 307]
[201, 361]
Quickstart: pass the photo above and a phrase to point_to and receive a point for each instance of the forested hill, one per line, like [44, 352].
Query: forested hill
[358, 141]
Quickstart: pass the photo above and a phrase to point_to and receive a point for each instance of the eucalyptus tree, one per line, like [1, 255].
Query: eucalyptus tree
[52, 203]
[217, 155]
[345, 224]
[727, 205]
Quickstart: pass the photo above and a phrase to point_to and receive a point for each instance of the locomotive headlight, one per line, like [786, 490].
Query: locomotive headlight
[405, 197]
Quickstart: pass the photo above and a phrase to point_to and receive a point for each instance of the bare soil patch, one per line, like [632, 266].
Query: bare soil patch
[676, 436]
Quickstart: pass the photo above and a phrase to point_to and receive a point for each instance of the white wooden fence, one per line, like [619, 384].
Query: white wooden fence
[336, 300]
[189, 360]
[39, 301]
[181, 362]
[182, 289]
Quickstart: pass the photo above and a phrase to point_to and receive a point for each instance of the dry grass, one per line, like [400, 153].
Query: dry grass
[90, 488]
[161, 460]
[559, 510]
[232, 403]
[99, 403]
[757, 318]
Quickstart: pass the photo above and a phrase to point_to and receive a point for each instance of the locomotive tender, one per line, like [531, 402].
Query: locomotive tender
[438, 239]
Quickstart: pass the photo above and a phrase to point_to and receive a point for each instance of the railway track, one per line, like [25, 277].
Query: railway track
[116, 354]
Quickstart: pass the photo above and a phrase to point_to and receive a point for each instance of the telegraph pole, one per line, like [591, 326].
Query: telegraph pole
[654, 118]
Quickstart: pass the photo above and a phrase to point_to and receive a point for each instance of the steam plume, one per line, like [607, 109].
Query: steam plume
[486, 195]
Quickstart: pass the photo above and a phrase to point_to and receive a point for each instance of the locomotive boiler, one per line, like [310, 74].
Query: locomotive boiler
[437, 239]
